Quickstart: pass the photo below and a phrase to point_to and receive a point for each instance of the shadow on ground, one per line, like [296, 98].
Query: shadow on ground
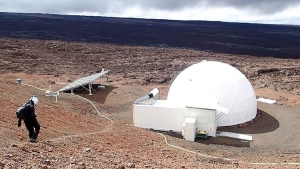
[214, 140]
[266, 123]
[98, 95]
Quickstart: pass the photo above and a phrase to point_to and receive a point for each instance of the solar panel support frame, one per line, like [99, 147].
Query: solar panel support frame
[86, 80]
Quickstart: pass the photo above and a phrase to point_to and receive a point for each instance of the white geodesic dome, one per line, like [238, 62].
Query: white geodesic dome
[211, 82]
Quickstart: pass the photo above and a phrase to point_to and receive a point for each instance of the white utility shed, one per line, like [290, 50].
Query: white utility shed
[165, 116]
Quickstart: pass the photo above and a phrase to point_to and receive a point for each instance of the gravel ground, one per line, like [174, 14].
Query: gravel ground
[73, 135]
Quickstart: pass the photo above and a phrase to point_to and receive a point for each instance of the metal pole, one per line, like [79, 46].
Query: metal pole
[90, 88]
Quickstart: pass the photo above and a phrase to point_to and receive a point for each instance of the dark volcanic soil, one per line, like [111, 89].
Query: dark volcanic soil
[219, 37]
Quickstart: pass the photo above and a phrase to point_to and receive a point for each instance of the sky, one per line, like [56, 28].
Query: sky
[247, 11]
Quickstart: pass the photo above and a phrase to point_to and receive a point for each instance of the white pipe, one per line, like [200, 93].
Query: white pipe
[153, 93]
[203, 155]
[94, 107]
[33, 86]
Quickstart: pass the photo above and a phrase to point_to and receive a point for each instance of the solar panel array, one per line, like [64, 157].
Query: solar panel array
[83, 81]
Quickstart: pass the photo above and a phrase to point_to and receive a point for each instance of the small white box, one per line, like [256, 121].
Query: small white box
[189, 129]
